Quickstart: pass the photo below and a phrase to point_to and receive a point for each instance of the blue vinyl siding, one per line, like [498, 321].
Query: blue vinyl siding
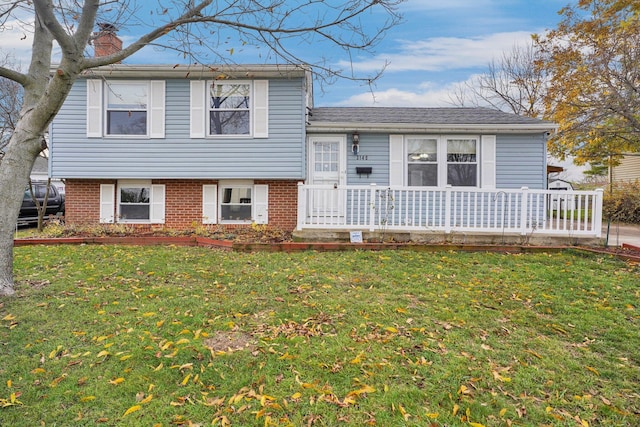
[521, 161]
[374, 153]
[280, 156]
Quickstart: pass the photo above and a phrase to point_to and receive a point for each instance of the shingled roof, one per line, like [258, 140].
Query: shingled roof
[418, 118]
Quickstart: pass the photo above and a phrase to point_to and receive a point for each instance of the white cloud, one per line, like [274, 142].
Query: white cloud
[427, 94]
[17, 39]
[443, 53]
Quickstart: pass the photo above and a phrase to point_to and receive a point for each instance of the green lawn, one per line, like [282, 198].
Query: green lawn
[146, 336]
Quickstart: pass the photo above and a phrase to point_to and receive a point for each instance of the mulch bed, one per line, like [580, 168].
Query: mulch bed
[245, 243]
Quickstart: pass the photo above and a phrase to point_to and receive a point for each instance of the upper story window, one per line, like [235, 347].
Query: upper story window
[229, 108]
[126, 112]
[125, 108]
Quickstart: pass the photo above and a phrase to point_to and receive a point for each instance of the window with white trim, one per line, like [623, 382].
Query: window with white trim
[462, 162]
[132, 201]
[125, 108]
[438, 161]
[235, 201]
[422, 161]
[229, 108]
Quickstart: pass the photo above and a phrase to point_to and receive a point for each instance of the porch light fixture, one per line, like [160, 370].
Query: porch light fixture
[355, 148]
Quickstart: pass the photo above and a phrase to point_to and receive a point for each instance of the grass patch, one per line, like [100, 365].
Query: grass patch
[142, 336]
[582, 215]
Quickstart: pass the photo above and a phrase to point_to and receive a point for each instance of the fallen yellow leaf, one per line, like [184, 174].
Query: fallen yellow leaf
[146, 399]
[186, 379]
[594, 370]
[134, 408]
[117, 381]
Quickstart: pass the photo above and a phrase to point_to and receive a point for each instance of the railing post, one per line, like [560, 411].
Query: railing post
[372, 207]
[524, 203]
[597, 215]
[447, 209]
[302, 205]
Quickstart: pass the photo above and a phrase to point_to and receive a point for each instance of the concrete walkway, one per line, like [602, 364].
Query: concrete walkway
[621, 233]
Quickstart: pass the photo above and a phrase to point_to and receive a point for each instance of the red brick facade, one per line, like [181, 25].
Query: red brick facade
[183, 202]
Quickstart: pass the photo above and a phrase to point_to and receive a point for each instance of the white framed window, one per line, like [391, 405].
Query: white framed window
[229, 108]
[422, 161]
[462, 162]
[134, 201]
[125, 108]
[235, 202]
[441, 160]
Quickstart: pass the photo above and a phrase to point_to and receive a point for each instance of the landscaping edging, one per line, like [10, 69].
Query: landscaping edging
[316, 246]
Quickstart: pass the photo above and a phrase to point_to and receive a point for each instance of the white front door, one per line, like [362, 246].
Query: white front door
[327, 166]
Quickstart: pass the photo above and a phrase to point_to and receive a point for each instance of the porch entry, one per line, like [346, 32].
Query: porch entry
[327, 167]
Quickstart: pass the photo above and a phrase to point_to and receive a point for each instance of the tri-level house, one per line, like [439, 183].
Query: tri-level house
[181, 147]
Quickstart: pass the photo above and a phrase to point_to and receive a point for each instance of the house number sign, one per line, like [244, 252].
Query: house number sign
[361, 157]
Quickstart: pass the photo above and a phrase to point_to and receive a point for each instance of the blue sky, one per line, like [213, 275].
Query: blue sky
[440, 44]
[443, 43]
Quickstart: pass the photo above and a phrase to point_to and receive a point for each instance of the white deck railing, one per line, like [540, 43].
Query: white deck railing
[523, 211]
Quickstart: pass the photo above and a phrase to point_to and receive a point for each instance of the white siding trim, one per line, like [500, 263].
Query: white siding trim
[156, 216]
[107, 203]
[488, 161]
[260, 108]
[198, 109]
[396, 160]
[209, 204]
[261, 204]
[94, 108]
[156, 109]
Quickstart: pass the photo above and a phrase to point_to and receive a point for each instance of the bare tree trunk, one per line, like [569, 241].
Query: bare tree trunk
[20, 154]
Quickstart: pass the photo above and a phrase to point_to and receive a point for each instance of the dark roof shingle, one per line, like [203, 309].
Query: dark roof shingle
[435, 116]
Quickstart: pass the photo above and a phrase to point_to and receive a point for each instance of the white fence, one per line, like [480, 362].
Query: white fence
[524, 211]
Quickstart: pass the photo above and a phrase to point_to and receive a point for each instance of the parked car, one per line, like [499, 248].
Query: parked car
[29, 211]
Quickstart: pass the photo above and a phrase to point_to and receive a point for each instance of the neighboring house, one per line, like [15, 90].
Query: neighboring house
[185, 146]
[628, 169]
[40, 172]
[559, 202]
[40, 169]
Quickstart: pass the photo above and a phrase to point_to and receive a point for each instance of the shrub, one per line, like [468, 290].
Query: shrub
[623, 203]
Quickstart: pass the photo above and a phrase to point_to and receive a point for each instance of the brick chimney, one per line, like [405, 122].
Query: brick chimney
[106, 42]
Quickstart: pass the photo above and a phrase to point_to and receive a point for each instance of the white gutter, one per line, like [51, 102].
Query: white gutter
[330, 127]
[197, 71]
